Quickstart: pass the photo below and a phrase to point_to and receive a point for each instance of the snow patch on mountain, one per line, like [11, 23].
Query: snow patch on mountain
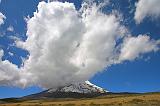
[83, 87]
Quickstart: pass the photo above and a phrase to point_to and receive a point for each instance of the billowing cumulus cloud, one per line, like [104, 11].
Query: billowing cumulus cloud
[2, 17]
[66, 46]
[147, 8]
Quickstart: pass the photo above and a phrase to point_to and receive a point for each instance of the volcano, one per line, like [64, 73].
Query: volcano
[75, 90]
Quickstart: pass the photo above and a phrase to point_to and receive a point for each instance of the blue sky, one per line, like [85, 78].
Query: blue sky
[141, 75]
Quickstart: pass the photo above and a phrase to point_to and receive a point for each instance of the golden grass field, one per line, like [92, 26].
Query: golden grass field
[149, 99]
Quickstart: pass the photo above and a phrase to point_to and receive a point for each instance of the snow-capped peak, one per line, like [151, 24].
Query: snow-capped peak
[83, 87]
[101, 89]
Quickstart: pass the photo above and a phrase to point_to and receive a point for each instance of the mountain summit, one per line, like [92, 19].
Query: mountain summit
[84, 87]
[76, 90]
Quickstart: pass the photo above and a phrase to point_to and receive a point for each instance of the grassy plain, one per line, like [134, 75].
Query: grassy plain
[148, 99]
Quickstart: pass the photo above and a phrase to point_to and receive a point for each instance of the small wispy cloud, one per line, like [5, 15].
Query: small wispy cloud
[10, 29]
[10, 53]
[2, 18]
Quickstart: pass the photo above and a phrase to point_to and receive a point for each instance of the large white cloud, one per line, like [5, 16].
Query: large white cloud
[66, 46]
[74, 47]
[2, 17]
[147, 8]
